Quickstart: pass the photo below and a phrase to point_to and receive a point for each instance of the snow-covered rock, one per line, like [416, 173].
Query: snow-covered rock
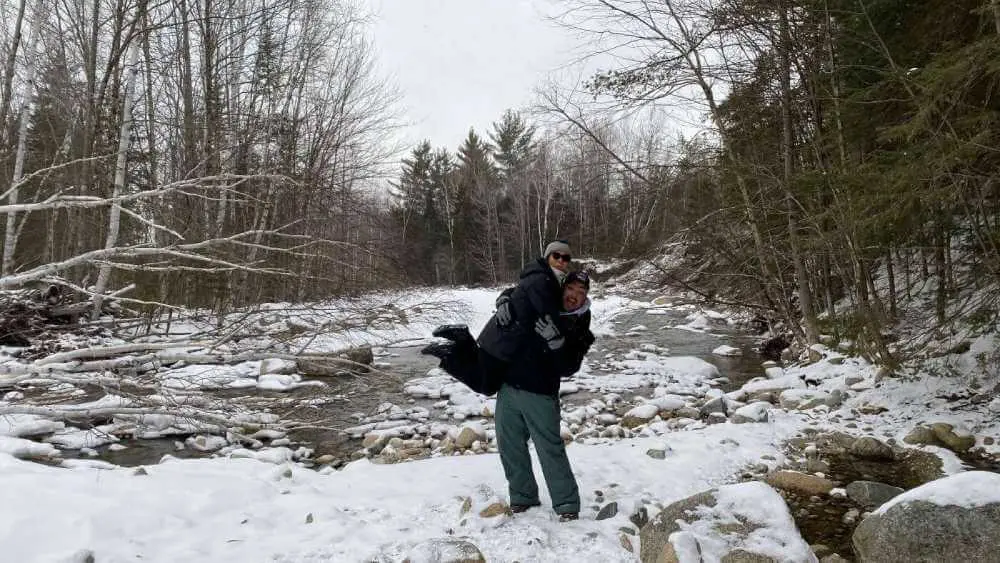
[956, 518]
[437, 550]
[26, 425]
[746, 519]
[26, 449]
[754, 412]
[277, 365]
[762, 385]
[206, 443]
[639, 415]
[726, 350]
[803, 399]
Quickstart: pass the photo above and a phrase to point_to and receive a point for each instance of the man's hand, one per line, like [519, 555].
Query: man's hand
[550, 332]
[503, 314]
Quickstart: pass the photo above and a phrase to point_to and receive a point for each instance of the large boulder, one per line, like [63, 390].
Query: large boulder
[956, 518]
[745, 522]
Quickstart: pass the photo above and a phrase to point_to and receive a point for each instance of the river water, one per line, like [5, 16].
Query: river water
[338, 403]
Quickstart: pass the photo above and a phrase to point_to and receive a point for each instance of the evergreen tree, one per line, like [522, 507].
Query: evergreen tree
[418, 213]
[475, 210]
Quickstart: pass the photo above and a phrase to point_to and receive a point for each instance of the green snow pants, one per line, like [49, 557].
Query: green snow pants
[521, 415]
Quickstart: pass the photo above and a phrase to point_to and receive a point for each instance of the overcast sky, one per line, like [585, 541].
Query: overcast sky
[461, 63]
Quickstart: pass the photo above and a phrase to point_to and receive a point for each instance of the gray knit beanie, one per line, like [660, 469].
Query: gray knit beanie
[560, 246]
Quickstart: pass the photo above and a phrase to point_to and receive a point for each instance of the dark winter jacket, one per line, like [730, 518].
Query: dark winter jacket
[516, 354]
[538, 293]
[539, 369]
[531, 365]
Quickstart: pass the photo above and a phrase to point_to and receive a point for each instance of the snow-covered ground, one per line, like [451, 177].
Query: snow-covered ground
[261, 504]
[244, 510]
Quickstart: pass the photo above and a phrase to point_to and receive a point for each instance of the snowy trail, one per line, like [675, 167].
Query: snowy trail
[245, 510]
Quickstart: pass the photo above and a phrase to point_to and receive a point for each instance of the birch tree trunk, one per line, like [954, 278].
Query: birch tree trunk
[10, 232]
[8, 71]
[114, 215]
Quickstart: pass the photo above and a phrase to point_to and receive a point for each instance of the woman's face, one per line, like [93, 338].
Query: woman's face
[574, 296]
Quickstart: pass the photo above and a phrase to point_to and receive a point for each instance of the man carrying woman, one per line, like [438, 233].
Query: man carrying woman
[539, 334]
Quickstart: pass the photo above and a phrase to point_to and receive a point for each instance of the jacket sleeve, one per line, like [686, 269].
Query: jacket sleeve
[505, 293]
[567, 360]
[540, 299]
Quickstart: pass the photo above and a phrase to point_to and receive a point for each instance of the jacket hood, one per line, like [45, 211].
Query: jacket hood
[537, 267]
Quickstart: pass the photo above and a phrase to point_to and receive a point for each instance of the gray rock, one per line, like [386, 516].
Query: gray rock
[958, 443]
[686, 412]
[923, 532]
[716, 405]
[799, 482]
[610, 510]
[871, 494]
[362, 355]
[817, 466]
[656, 453]
[375, 442]
[446, 550]
[922, 436]
[919, 467]
[81, 556]
[872, 449]
[835, 558]
[835, 399]
[467, 436]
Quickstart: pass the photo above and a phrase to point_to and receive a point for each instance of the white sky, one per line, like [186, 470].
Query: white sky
[461, 63]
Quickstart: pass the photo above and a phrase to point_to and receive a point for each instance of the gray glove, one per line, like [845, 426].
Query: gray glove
[550, 332]
[503, 313]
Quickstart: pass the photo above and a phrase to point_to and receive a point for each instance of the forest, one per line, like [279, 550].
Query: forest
[222, 154]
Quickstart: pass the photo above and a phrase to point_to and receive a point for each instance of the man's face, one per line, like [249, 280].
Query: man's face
[559, 261]
[574, 296]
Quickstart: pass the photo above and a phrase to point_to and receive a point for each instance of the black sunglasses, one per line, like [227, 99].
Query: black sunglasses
[565, 257]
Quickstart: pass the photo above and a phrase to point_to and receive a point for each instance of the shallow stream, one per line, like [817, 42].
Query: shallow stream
[338, 403]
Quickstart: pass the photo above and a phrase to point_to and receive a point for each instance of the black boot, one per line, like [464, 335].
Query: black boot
[438, 350]
[455, 333]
